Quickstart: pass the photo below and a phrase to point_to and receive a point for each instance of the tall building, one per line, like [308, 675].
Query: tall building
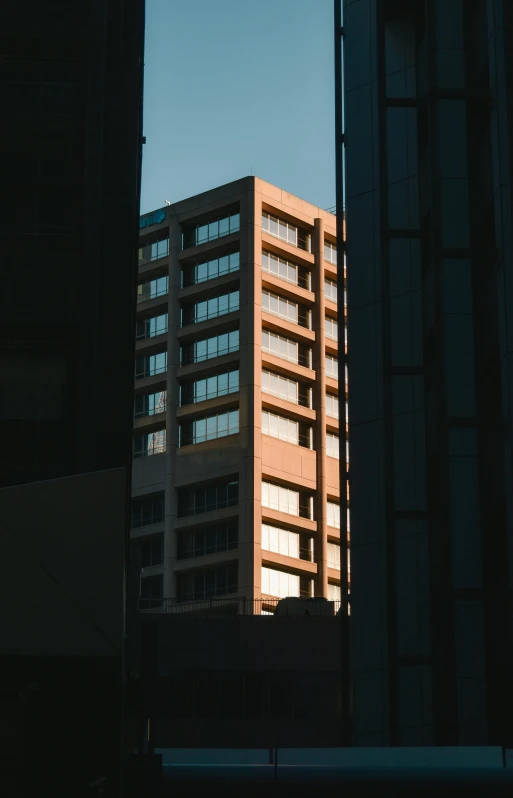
[236, 431]
[424, 132]
[71, 135]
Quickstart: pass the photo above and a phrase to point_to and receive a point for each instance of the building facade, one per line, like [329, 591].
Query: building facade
[424, 135]
[237, 429]
[71, 136]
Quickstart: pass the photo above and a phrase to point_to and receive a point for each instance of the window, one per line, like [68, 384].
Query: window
[151, 289]
[333, 513]
[152, 591]
[287, 501]
[330, 252]
[279, 306]
[286, 349]
[332, 446]
[331, 328]
[210, 539]
[207, 429]
[215, 346]
[199, 499]
[334, 556]
[286, 232]
[285, 270]
[332, 367]
[149, 404]
[207, 583]
[331, 405]
[149, 365]
[151, 326]
[290, 390]
[153, 248]
[280, 540]
[200, 272]
[279, 583]
[209, 387]
[330, 290]
[147, 510]
[149, 443]
[210, 308]
[222, 224]
[152, 550]
[286, 430]
[334, 592]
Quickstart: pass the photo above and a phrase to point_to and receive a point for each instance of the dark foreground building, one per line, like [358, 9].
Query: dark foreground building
[428, 191]
[70, 133]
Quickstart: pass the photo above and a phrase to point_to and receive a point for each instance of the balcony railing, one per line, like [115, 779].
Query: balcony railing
[226, 605]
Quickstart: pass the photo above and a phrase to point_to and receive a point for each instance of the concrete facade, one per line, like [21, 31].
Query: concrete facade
[248, 457]
[424, 136]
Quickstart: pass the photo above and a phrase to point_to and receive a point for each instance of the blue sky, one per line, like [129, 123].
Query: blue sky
[238, 87]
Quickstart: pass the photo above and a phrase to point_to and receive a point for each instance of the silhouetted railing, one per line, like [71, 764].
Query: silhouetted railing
[239, 605]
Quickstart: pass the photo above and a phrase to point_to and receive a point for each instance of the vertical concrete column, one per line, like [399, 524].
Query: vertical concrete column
[250, 474]
[173, 364]
[319, 364]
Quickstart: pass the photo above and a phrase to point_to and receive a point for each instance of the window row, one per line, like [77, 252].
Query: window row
[222, 224]
[150, 365]
[286, 232]
[285, 270]
[209, 387]
[290, 544]
[151, 289]
[199, 499]
[330, 252]
[210, 308]
[208, 583]
[333, 515]
[147, 510]
[286, 349]
[208, 429]
[208, 348]
[149, 443]
[154, 248]
[284, 500]
[286, 309]
[284, 585]
[195, 273]
[282, 387]
[334, 592]
[152, 550]
[149, 404]
[286, 430]
[210, 539]
[330, 290]
[151, 326]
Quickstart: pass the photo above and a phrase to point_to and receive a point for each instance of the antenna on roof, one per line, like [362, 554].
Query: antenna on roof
[167, 202]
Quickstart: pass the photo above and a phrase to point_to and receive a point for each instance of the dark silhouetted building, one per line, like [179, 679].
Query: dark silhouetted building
[424, 109]
[70, 133]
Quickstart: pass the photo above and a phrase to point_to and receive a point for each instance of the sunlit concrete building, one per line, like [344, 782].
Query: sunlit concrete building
[237, 435]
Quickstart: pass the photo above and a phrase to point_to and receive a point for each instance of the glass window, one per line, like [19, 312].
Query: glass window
[280, 306]
[276, 385]
[334, 556]
[330, 252]
[217, 226]
[279, 583]
[285, 231]
[334, 592]
[332, 446]
[151, 289]
[149, 443]
[149, 404]
[208, 270]
[153, 248]
[284, 500]
[149, 365]
[279, 427]
[222, 536]
[330, 290]
[147, 510]
[331, 406]
[331, 328]
[280, 540]
[279, 346]
[151, 326]
[333, 515]
[332, 367]
[209, 348]
[209, 428]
